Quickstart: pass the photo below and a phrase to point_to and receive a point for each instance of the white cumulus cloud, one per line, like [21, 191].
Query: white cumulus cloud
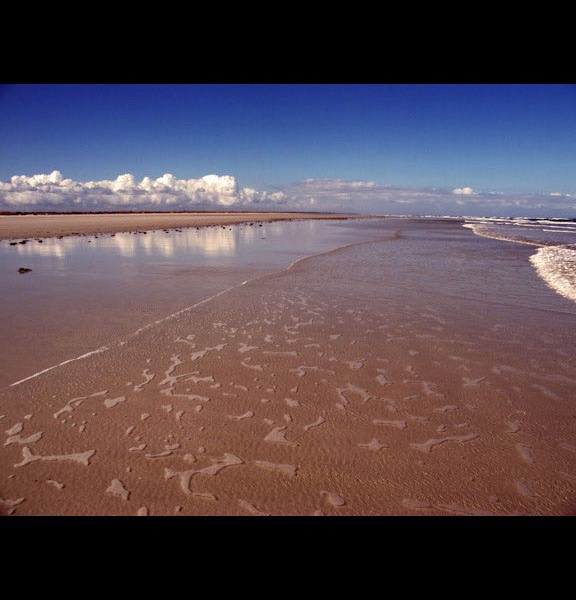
[54, 192]
[465, 191]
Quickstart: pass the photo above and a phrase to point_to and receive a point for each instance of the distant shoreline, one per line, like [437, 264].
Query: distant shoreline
[14, 226]
[157, 212]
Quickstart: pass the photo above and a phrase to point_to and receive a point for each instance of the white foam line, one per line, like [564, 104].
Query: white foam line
[135, 333]
[474, 227]
[102, 349]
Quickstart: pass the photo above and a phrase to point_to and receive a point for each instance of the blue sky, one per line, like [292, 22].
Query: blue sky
[509, 139]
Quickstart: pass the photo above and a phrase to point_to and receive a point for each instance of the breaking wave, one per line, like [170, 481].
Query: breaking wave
[556, 265]
[555, 259]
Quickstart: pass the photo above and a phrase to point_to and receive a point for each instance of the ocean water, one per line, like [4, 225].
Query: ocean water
[555, 258]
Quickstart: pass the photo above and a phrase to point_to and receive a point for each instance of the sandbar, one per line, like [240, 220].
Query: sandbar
[44, 225]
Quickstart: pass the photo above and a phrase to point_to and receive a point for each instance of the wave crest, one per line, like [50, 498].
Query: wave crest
[556, 265]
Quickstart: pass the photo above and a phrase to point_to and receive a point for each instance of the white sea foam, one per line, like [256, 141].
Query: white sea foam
[497, 230]
[556, 265]
[102, 349]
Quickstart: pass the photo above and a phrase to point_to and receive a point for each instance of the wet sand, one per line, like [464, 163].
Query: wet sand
[423, 374]
[52, 225]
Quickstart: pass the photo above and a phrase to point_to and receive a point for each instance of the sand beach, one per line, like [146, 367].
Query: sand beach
[416, 370]
[24, 226]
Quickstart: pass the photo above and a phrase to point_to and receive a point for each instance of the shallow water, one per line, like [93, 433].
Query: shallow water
[86, 291]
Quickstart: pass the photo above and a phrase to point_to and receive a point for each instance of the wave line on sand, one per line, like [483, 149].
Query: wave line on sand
[130, 335]
[101, 349]
[395, 236]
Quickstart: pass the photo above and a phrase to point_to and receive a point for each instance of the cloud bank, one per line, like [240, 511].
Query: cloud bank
[53, 192]
[370, 198]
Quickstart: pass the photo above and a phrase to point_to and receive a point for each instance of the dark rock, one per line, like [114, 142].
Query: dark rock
[23, 270]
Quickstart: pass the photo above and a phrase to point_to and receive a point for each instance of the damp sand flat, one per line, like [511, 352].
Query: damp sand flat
[384, 378]
[51, 225]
